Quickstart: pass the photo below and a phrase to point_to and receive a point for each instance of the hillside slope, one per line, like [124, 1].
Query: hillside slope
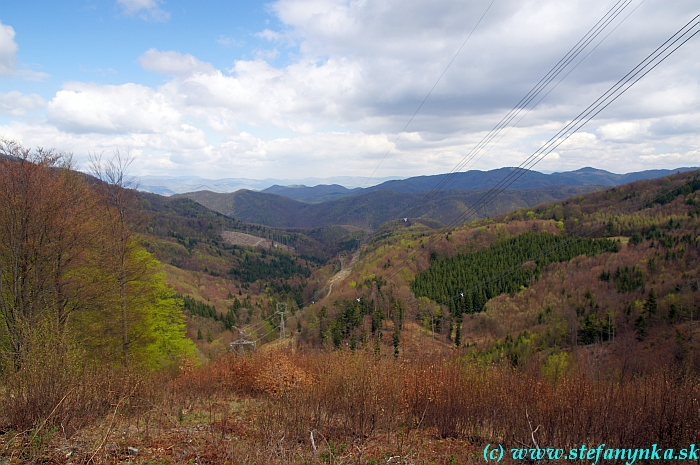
[622, 310]
[371, 209]
[475, 179]
[469, 180]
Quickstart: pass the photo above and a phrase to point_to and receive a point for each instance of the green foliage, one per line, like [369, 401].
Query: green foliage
[629, 279]
[556, 366]
[466, 282]
[688, 188]
[285, 290]
[166, 344]
[635, 239]
[155, 320]
[351, 313]
[279, 265]
[458, 334]
[650, 305]
[231, 316]
[200, 308]
[396, 339]
[515, 351]
[641, 327]
[594, 329]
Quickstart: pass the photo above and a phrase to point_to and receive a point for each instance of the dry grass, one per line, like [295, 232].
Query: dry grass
[360, 408]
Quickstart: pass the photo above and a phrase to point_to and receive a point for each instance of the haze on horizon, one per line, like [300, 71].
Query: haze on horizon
[294, 89]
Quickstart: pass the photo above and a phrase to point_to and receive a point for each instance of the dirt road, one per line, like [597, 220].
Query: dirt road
[343, 273]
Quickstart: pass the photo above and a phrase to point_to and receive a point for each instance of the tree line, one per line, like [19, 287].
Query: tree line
[73, 273]
[467, 281]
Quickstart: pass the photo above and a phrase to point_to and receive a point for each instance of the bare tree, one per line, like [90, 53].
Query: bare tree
[46, 234]
[118, 198]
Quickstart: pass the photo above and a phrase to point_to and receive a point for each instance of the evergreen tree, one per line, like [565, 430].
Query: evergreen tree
[395, 338]
[467, 281]
[641, 326]
[458, 334]
[377, 344]
[650, 305]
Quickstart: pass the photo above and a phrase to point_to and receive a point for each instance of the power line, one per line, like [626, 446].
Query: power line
[552, 74]
[259, 324]
[428, 95]
[657, 57]
[553, 87]
[589, 231]
[654, 59]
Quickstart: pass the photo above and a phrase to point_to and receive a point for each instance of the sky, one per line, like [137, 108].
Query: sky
[319, 88]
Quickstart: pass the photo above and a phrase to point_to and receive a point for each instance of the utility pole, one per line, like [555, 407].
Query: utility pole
[281, 309]
[241, 343]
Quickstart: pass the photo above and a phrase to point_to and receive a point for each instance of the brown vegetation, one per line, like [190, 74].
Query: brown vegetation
[360, 408]
[599, 349]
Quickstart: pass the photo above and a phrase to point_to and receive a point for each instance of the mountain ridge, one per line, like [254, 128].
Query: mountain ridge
[371, 209]
[469, 180]
[324, 205]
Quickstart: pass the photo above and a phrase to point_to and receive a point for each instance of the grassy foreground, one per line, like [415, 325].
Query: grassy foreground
[360, 407]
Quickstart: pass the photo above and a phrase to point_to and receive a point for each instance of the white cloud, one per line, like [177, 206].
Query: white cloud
[267, 55]
[580, 140]
[173, 63]
[623, 131]
[15, 103]
[302, 96]
[269, 35]
[144, 9]
[691, 157]
[354, 72]
[8, 50]
[8, 57]
[31, 75]
[99, 71]
[127, 108]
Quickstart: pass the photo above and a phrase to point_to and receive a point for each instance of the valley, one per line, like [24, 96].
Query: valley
[292, 232]
[393, 325]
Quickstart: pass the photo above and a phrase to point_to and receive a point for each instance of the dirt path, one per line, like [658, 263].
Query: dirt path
[343, 273]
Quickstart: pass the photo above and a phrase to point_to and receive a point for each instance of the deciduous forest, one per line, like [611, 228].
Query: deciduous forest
[132, 331]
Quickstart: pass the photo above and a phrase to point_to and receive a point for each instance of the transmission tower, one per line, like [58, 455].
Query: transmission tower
[281, 309]
[241, 343]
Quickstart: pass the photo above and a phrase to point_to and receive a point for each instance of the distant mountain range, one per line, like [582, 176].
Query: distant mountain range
[324, 205]
[316, 194]
[171, 185]
[369, 210]
[471, 180]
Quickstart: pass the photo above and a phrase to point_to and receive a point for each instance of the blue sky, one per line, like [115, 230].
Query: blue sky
[300, 88]
[101, 40]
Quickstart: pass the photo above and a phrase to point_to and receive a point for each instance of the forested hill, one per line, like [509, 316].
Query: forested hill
[530, 179]
[315, 194]
[613, 271]
[371, 209]
[465, 283]
[189, 223]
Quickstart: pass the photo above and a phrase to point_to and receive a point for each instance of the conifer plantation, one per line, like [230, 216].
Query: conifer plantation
[569, 323]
